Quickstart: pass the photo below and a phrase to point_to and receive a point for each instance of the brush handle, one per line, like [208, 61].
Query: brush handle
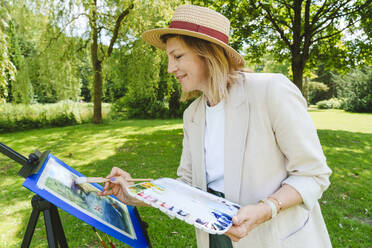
[140, 179]
[104, 180]
[97, 180]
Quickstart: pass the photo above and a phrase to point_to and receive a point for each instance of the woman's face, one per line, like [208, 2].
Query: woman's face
[188, 67]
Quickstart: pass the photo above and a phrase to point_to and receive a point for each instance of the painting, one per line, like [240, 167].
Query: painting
[203, 210]
[56, 182]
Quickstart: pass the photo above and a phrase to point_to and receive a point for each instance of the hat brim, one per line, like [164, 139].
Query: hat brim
[153, 37]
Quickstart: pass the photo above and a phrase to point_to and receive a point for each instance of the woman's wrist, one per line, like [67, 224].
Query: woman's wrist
[266, 211]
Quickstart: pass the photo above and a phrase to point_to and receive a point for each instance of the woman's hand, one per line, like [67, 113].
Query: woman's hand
[247, 218]
[117, 187]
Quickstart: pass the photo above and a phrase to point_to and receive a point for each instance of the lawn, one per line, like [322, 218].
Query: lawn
[151, 148]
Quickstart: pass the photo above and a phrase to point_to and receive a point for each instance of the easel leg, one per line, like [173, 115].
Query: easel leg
[30, 228]
[52, 242]
[58, 228]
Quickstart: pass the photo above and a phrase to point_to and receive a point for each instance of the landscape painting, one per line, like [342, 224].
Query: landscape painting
[59, 181]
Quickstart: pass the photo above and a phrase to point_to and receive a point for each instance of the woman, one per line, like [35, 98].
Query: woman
[247, 138]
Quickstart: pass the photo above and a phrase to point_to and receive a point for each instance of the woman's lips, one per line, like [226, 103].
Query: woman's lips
[181, 77]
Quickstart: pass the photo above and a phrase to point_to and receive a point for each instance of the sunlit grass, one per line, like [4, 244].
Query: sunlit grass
[347, 142]
[152, 148]
[340, 120]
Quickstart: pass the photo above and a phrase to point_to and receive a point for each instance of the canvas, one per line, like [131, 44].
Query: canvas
[55, 182]
[196, 207]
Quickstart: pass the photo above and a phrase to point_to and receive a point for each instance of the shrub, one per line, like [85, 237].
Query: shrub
[332, 103]
[15, 117]
[317, 92]
[355, 88]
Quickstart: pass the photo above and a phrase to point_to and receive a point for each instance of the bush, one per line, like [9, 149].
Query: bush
[332, 103]
[14, 117]
[355, 88]
[317, 92]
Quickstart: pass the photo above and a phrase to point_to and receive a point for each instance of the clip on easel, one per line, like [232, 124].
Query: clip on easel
[32, 164]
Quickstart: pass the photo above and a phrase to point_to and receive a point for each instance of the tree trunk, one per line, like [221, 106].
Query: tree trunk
[306, 90]
[298, 71]
[97, 114]
[97, 68]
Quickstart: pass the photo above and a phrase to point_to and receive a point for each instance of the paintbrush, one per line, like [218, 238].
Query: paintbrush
[111, 244]
[81, 180]
[99, 237]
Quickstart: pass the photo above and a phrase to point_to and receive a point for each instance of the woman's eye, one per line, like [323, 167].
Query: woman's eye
[178, 57]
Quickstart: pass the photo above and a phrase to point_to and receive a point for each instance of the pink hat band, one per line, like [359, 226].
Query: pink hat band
[200, 29]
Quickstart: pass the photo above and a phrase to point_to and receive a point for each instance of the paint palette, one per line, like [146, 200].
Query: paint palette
[196, 207]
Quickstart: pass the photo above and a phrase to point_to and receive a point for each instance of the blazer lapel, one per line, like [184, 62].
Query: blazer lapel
[197, 127]
[236, 132]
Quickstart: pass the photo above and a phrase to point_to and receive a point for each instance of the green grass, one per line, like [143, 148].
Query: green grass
[347, 205]
[151, 148]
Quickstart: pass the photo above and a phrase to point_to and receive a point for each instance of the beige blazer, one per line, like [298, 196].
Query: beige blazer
[270, 139]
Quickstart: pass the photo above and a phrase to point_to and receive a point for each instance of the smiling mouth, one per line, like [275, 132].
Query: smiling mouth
[181, 77]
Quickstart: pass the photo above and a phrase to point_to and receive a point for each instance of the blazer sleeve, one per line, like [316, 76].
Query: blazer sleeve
[297, 138]
[184, 170]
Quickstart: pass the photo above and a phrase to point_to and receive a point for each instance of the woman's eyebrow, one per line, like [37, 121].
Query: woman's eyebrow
[173, 51]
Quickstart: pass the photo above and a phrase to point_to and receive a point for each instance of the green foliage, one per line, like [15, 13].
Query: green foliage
[332, 103]
[143, 75]
[317, 91]
[268, 64]
[355, 88]
[22, 89]
[147, 90]
[16, 117]
[323, 75]
[7, 69]
[45, 57]
[303, 33]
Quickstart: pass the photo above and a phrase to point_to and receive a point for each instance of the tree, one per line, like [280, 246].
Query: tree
[296, 30]
[46, 70]
[97, 59]
[104, 20]
[355, 89]
[7, 69]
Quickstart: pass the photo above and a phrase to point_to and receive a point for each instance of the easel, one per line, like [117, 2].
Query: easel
[55, 234]
[54, 229]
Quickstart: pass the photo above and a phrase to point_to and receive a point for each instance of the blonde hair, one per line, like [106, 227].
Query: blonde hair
[222, 72]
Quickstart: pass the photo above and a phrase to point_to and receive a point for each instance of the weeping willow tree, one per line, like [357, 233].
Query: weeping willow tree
[111, 25]
[7, 69]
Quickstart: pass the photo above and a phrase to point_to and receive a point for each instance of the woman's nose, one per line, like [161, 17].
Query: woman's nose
[172, 68]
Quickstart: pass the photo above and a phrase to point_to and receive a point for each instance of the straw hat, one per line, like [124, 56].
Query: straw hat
[199, 22]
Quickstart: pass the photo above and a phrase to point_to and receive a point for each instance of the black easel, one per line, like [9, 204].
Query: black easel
[53, 225]
[55, 234]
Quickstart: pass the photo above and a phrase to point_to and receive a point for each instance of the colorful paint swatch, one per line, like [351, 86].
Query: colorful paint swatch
[196, 207]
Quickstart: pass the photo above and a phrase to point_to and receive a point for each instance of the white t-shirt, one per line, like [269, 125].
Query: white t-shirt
[214, 146]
